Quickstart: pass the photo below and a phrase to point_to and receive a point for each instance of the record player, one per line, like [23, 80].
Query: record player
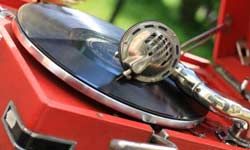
[72, 81]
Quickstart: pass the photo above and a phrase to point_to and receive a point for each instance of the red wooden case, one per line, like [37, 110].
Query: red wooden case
[49, 108]
[225, 53]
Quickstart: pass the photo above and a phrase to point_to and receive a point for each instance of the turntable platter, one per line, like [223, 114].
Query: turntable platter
[80, 49]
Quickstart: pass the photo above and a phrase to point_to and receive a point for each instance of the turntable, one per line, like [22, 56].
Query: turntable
[71, 79]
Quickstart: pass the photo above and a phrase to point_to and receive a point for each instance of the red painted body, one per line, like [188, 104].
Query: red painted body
[47, 105]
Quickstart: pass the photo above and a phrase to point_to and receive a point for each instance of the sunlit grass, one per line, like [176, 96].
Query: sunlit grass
[134, 11]
[100, 8]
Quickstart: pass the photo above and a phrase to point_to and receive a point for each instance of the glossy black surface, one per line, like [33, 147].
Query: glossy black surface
[84, 46]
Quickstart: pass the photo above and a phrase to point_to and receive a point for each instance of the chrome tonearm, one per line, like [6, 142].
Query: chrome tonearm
[149, 52]
[191, 84]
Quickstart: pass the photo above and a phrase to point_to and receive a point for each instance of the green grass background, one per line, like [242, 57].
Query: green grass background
[134, 11]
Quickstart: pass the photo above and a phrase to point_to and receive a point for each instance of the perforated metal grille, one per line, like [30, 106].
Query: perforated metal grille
[150, 48]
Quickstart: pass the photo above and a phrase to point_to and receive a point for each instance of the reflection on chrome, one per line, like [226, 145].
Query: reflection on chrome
[184, 77]
[190, 83]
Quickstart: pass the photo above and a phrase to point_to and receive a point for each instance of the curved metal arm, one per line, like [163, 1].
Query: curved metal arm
[185, 78]
[190, 83]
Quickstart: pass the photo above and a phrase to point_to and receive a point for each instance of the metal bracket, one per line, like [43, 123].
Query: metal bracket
[243, 87]
[22, 138]
[235, 134]
[240, 87]
[243, 52]
[158, 142]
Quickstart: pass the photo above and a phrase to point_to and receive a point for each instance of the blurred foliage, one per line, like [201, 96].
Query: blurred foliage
[186, 17]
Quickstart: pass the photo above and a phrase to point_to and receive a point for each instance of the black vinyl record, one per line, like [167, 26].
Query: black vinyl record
[83, 47]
